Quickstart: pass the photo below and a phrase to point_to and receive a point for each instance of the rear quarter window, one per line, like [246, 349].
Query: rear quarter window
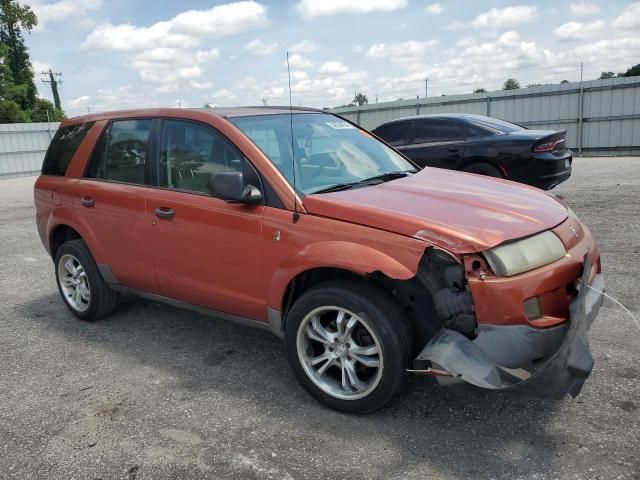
[62, 148]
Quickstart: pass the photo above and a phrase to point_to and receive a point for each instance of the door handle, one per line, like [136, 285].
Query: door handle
[88, 201]
[164, 212]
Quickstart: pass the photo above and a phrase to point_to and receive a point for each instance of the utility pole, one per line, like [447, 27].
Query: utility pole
[581, 68]
[54, 86]
[426, 87]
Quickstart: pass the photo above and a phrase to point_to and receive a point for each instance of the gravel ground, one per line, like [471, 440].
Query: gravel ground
[155, 392]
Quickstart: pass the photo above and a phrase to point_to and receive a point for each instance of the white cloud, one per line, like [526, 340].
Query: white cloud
[333, 67]
[200, 85]
[584, 9]
[315, 8]
[298, 61]
[224, 94]
[305, 46]
[258, 47]
[113, 99]
[630, 18]
[617, 52]
[129, 37]
[578, 30]
[404, 52]
[498, 18]
[434, 9]
[183, 30]
[221, 20]
[62, 10]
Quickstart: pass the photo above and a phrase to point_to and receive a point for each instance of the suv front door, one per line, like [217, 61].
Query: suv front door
[206, 251]
[435, 143]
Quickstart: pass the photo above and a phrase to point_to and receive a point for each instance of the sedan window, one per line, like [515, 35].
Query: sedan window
[395, 133]
[437, 132]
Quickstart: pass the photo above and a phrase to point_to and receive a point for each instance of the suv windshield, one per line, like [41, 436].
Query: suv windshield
[329, 153]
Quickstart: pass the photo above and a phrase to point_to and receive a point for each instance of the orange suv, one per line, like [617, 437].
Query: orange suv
[302, 223]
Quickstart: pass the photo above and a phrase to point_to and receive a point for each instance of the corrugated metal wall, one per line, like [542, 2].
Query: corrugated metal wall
[22, 147]
[602, 117]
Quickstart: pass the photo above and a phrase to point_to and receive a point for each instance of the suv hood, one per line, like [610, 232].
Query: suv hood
[459, 212]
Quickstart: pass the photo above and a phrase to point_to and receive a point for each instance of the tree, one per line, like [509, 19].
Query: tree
[605, 75]
[360, 99]
[45, 111]
[10, 111]
[14, 18]
[633, 71]
[479, 90]
[564, 81]
[511, 84]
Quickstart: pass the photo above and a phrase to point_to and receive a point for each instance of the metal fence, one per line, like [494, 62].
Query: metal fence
[602, 117]
[22, 147]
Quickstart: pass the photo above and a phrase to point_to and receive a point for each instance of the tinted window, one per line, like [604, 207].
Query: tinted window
[64, 144]
[496, 124]
[437, 132]
[476, 131]
[190, 153]
[395, 133]
[121, 155]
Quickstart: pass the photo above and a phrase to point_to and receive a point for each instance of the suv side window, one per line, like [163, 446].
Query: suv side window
[121, 155]
[63, 146]
[395, 133]
[429, 131]
[191, 152]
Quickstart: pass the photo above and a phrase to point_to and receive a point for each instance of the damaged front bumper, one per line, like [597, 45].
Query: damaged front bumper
[541, 362]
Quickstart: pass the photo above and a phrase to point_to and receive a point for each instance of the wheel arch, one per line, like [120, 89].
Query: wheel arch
[480, 159]
[332, 259]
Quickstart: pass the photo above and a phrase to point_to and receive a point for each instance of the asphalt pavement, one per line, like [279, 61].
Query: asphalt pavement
[153, 392]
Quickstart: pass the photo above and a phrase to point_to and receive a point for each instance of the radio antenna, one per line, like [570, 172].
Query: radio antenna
[296, 215]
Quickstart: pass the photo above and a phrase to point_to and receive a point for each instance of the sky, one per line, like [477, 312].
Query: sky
[118, 54]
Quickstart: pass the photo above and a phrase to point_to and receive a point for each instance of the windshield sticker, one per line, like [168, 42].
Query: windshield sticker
[340, 125]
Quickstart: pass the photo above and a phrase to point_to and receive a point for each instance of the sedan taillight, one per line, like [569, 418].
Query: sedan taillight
[549, 145]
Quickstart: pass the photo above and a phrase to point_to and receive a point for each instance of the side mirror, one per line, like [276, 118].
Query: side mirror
[230, 187]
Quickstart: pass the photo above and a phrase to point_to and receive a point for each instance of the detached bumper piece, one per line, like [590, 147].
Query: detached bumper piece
[549, 363]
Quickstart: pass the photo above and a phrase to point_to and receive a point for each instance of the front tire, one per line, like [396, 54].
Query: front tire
[80, 283]
[348, 344]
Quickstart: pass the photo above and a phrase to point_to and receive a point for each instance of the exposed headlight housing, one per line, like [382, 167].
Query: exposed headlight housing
[526, 254]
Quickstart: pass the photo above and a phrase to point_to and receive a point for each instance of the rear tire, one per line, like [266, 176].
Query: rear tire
[483, 169]
[80, 283]
[348, 344]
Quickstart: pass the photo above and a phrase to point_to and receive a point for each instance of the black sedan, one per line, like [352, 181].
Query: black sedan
[483, 145]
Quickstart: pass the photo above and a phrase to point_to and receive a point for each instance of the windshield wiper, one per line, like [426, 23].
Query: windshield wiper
[385, 177]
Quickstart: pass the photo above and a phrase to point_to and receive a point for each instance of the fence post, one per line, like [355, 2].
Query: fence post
[357, 115]
[580, 115]
[48, 124]
[488, 106]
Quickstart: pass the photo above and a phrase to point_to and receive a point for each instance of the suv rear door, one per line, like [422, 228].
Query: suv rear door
[110, 202]
[206, 251]
[435, 143]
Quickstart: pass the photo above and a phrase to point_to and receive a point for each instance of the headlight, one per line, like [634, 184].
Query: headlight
[524, 255]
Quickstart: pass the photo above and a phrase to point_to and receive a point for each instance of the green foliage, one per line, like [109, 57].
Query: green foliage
[632, 72]
[360, 99]
[44, 111]
[605, 75]
[511, 84]
[18, 94]
[564, 81]
[479, 90]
